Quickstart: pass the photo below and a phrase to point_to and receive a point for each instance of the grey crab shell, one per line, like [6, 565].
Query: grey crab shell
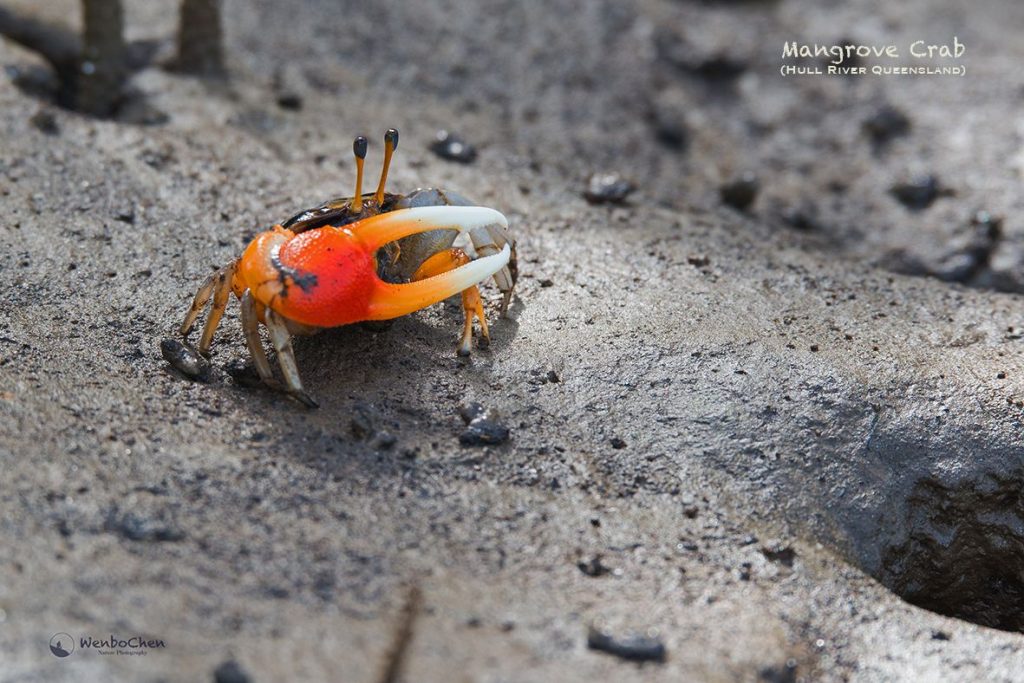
[416, 249]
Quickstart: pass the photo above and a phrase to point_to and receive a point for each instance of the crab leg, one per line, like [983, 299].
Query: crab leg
[251, 327]
[202, 296]
[472, 306]
[383, 228]
[217, 285]
[221, 293]
[282, 341]
[489, 240]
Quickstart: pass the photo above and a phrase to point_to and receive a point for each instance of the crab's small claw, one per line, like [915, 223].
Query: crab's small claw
[381, 229]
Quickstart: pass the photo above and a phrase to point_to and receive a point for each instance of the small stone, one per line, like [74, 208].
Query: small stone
[290, 101]
[669, 118]
[126, 214]
[185, 359]
[452, 147]
[45, 122]
[470, 411]
[803, 219]
[484, 432]
[553, 377]
[546, 283]
[740, 192]
[361, 422]
[230, 672]
[886, 124]
[919, 193]
[617, 443]
[607, 188]
[594, 566]
[633, 647]
[137, 528]
[777, 551]
[483, 427]
[384, 440]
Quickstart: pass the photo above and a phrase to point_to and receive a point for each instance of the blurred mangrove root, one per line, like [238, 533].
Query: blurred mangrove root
[200, 38]
[58, 46]
[102, 68]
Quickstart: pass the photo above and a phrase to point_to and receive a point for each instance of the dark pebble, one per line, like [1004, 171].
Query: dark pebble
[384, 440]
[452, 147]
[885, 124]
[669, 120]
[636, 648]
[470, 411]
[607, 188]
[125, 215]
[546, 283]
[484, 432]
[617, 443]
[740, 192]
[361, 422]
[230, 672]
[137, 528]
[45, 122]
[940, 635]
[919, 193]
[594, 567]
[290, 101]
[553, 377]
[776, 551]
[483, 427]
[784, 673]
[185, 359]
[803, 219]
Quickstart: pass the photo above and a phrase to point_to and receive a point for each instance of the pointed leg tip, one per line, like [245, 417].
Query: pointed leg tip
[305, 399]
[463, 351]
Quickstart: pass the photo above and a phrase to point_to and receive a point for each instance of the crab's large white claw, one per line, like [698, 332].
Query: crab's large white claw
[381, 229]
[391, 301]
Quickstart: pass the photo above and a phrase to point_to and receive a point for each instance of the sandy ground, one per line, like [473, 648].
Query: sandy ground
[746, 434]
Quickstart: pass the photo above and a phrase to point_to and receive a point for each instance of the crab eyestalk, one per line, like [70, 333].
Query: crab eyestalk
[359, 149]
[390, 145]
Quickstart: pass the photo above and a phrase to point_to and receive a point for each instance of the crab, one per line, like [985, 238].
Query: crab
[370, 257]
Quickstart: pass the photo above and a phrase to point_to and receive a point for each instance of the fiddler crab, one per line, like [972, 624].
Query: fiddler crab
[369, 257]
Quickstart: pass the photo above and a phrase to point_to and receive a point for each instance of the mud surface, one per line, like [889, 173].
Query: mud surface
[731, 408]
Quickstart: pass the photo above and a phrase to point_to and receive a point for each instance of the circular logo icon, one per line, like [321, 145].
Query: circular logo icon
[62, 645]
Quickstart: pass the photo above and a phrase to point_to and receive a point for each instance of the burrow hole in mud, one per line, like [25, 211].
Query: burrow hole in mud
[960, 552]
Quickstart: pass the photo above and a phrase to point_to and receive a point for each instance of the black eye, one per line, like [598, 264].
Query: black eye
[392, 137]
[359, 147]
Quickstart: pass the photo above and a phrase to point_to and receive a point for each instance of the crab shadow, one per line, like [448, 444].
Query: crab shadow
[384, 393]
